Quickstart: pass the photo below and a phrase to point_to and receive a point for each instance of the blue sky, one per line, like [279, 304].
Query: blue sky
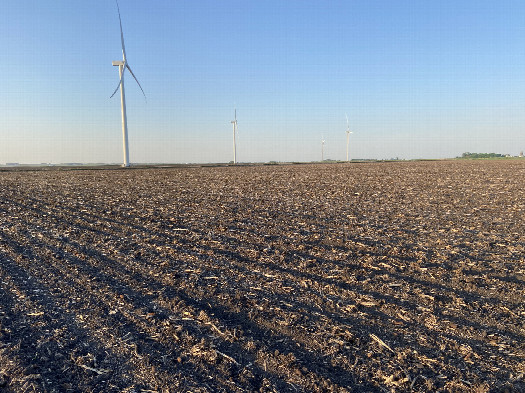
[418, 79]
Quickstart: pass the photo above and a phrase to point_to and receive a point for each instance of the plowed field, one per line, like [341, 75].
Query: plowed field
[370, 277]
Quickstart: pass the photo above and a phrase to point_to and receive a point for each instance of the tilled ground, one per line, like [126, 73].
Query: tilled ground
[379, 277]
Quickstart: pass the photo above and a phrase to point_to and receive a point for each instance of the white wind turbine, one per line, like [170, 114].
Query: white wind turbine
[322, 149]
[234, 122]
[348, 132]
[122, 65]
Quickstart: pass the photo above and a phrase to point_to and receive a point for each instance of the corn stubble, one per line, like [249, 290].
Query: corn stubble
[376, 277]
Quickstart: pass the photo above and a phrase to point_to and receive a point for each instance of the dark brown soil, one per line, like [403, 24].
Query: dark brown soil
[377, 277]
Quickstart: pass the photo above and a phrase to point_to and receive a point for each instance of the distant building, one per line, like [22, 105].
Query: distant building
[521, 153]
[12, 164]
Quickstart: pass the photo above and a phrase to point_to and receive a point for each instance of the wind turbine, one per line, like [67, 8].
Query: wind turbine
[122, 65]
[348, 132]
[234, 122]
[322, 149]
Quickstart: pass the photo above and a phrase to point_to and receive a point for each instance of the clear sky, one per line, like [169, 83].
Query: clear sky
[418, 79]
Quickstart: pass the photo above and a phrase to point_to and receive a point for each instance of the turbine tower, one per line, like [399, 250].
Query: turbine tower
[348, 132]
[322, 149]
[122, 65]
[234, 122]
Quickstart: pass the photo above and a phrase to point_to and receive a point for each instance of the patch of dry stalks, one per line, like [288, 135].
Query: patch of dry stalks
[381, 277]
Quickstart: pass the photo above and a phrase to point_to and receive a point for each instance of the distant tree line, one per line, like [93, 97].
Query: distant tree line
[481, 155]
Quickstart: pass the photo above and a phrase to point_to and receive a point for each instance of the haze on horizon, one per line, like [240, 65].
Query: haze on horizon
[417, 79]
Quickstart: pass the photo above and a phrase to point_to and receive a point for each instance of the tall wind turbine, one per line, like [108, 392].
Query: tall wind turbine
[234, 122]
[122, 65]
[348, 132]
[322, 149]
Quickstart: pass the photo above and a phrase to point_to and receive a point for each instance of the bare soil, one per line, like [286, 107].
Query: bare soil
[371, 277]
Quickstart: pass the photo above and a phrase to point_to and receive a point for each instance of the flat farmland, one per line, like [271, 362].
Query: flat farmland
[361, 277]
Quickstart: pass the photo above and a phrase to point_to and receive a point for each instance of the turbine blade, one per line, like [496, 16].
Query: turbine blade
[111, 96]
[136, 80]
[121, 33]
[120, 81]
[115, 90]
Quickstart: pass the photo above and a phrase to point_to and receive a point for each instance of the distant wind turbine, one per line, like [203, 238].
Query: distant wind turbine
[322, 149]
[122, 65]
[234, 122]
[348, 132]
